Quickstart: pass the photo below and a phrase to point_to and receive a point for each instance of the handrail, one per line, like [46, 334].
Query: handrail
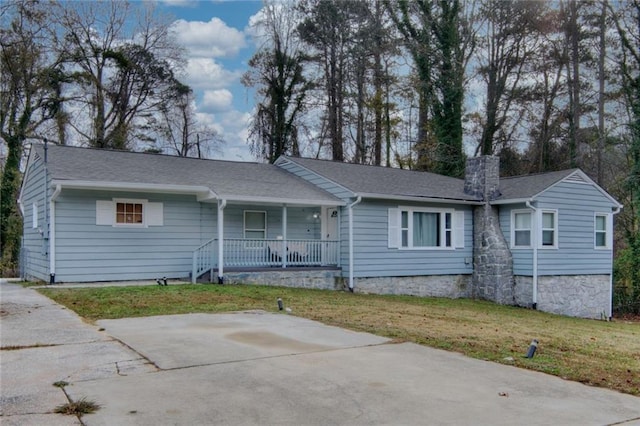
[203, 259]
[245, 252]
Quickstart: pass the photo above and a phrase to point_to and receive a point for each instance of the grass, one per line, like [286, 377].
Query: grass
[605, 354]
[77, 408]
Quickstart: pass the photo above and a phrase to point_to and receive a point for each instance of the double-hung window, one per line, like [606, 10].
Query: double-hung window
[524, 223]
[521, 228]
[602, 231]
[422, 228]
[549, 229]
[255, 225]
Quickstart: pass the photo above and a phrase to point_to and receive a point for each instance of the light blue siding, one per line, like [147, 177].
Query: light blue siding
[300, 221]
[89, 252]
[34, 241]
[576, 205]
[373, 258]
[319, 181]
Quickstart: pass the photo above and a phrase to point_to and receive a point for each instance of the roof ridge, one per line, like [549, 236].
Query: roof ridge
[540, 173]
[370, 165]
[121, 151]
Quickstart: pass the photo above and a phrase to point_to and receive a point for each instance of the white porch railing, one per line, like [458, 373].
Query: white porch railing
[255, 253]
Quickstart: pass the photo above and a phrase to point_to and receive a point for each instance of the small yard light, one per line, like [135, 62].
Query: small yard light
[532, 349]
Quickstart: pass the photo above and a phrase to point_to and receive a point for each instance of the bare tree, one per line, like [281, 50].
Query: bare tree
[27, 100]
[121, 68]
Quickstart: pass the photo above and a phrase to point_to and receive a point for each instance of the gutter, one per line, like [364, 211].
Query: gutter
[534, 301]
[52, 234]
[350, 211]
[615, 212]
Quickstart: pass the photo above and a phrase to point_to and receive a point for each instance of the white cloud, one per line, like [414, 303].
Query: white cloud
[205, 73]
[232, 126]
[209, 39]
[217, 100]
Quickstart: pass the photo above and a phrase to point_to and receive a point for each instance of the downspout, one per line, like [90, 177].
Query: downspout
[52, 234]
[222, 203]
[615, 212]
[534, 221]
[350, 210]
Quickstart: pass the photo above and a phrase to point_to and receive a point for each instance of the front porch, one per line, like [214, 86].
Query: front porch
[248, 255]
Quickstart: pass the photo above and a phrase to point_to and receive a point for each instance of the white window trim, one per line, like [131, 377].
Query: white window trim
[608, 230]
[540, 229]
[130, 201]
[513, 228]
[244, 223]
[442, 230]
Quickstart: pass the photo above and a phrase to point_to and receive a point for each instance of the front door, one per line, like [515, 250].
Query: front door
[330, 222]
[331, 234]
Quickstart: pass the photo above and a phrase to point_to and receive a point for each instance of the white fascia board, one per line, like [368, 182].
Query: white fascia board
[202, 192]
[285, 160]
[287, 201]
[419, 199]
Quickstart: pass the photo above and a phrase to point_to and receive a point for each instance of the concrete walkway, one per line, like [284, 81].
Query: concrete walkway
[267, 369]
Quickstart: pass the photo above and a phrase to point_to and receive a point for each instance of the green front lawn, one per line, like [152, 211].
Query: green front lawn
[598, 353]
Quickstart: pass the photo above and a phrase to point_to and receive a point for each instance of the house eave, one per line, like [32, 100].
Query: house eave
[419, 199]
[202, 193]
[282, 201]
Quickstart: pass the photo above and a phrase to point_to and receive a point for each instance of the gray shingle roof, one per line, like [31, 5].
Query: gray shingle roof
[385, 181]
[521, 187]
[248, 180]
[228, 179]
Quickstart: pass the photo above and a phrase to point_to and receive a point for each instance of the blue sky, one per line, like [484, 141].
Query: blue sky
[218, 46]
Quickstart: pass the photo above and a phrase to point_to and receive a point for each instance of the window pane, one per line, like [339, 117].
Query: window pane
[523, 220]
[254, 220]
[547, 238]
[601, 223]
[405, 220]
[601, 239]
[547, 220]
[254, 234]
[405, 238]
[426, 227]
[523, 238]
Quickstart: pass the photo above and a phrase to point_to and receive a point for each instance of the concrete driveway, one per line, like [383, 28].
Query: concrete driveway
[263, 368]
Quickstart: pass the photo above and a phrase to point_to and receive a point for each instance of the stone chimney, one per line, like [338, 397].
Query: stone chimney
[482, 177]
[492, 260]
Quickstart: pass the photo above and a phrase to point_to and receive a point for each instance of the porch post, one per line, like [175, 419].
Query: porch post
[284, 236]
[221, 205]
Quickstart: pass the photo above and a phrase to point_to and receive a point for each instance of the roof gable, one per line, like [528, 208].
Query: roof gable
[519, 188]
[386, 182]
